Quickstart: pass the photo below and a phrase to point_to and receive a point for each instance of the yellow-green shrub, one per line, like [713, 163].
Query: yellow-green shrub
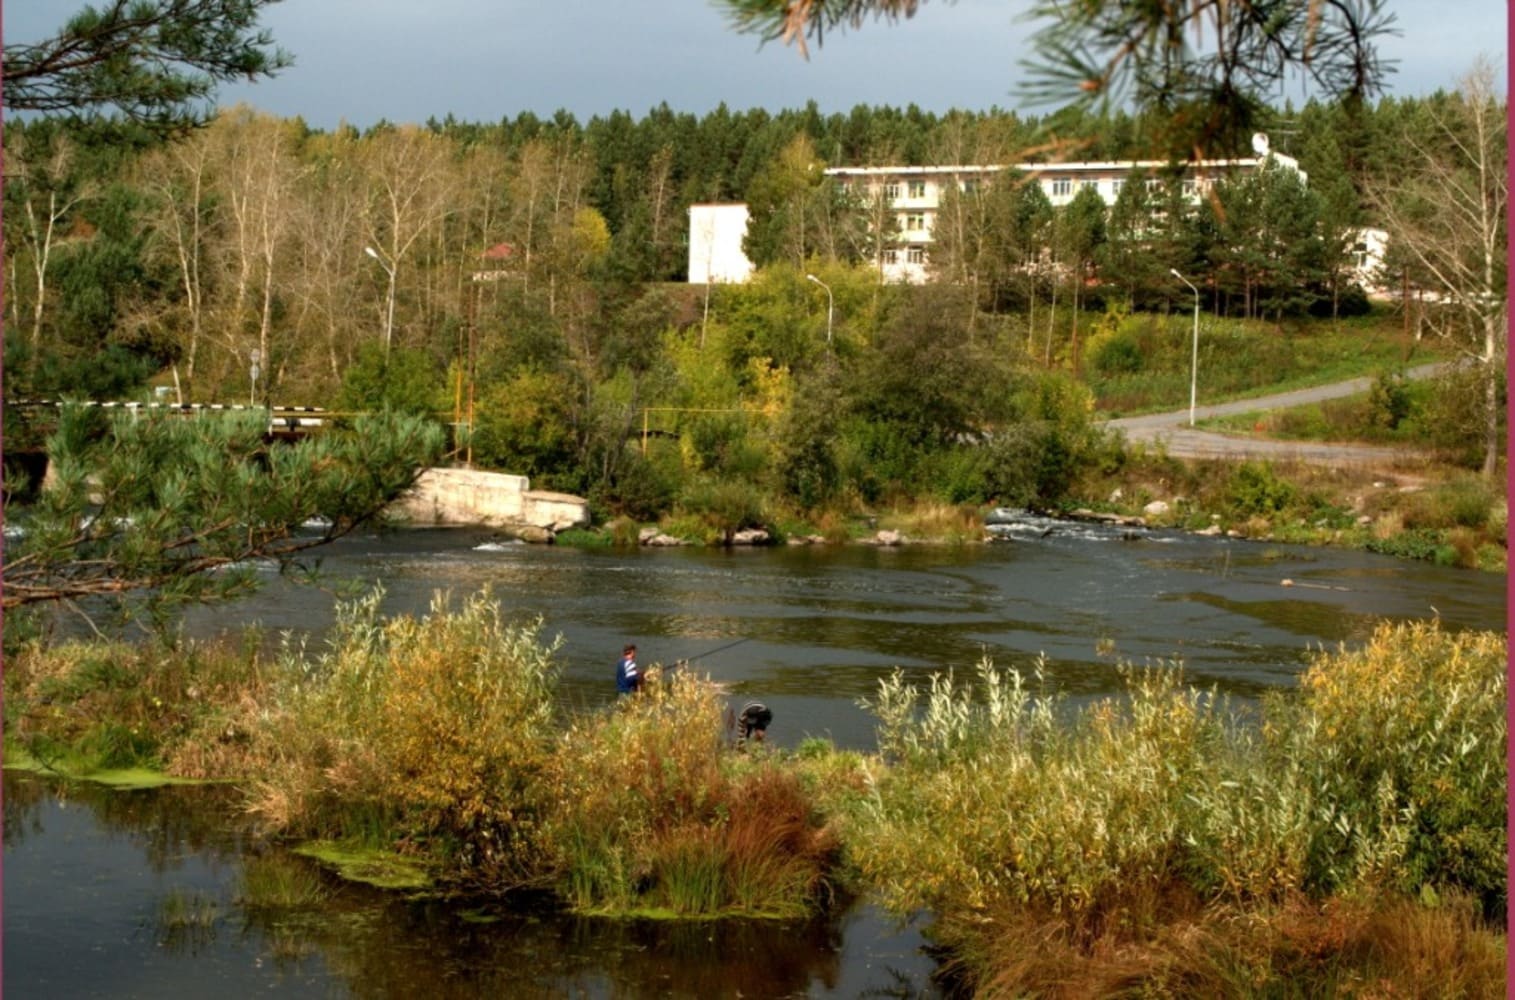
[1383, 777]
[991, 800]
[438, 727]
[1411, 735]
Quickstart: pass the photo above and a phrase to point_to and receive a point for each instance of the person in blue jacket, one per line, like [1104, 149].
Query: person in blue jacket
[628, 676]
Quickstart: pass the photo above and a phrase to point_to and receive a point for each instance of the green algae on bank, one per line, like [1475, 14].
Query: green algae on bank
[18, 758]
[371, 866]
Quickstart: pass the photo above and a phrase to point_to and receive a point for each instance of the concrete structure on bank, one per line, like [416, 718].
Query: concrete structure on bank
[491, 499]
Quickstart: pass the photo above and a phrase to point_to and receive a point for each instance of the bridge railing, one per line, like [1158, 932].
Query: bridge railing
[280, 418]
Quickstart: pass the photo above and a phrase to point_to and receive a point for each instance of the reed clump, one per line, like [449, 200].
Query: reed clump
[654, 813]
[275, 881]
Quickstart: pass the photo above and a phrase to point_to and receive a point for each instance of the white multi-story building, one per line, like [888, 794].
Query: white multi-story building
[914, 195]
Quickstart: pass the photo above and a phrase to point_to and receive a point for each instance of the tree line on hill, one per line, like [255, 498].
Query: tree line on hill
[523, 270]
[250, 233]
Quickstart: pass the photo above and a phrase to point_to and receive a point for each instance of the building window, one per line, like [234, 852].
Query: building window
[917, 189]
[1154, 184]
[915, 222]
[1116, 185]
[891, 256]
[970, 186]
[1090, 185]
[1062, 187]
[892, 190]
[1189, 188]
[915, 255]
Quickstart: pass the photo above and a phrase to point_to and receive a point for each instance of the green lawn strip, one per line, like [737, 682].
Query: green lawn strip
[1253, 423]
[1322, 357]
[1310, 424]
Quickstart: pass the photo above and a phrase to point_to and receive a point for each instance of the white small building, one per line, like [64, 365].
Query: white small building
[1368, 247]
[715, 244]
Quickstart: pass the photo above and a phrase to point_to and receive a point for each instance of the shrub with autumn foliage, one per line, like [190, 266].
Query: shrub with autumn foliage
[1411, 733]
[438, 730]
[439, 735]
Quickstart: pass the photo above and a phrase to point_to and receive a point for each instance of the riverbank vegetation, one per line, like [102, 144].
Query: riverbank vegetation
[1351, 833]
[1159, 844]
[540, 310]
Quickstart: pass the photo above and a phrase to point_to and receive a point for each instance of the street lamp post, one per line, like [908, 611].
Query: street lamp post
[389, 315]
[830, 306]
[1194, 362]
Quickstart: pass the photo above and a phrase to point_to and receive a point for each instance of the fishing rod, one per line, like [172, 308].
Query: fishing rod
[718, 649]
[721, 686]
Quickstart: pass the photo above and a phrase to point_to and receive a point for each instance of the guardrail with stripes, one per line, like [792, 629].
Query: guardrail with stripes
[291, 417]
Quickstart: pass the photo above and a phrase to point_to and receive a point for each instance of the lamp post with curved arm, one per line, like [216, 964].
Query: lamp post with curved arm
[830, 306]
[389, 315]
[1194, 362]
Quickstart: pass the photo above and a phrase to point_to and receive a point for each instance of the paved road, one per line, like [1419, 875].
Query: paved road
[1172, 430]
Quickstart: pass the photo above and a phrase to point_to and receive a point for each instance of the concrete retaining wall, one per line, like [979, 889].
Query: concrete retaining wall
[493, 499]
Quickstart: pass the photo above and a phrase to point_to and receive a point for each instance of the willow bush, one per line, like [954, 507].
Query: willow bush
[990, 801]
[437, 729]
[1383, 777]
[1411, 731]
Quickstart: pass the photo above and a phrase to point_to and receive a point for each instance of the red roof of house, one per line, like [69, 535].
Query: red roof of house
[500, 251]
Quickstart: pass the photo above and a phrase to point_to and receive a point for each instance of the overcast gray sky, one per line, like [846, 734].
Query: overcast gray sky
[362, 60]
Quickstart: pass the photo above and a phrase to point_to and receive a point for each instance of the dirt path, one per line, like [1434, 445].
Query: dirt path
[1172, 430]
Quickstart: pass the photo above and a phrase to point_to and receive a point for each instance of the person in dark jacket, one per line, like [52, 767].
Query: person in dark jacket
[753, 723]
[628, 676]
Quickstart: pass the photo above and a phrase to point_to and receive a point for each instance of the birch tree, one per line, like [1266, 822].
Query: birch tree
[330, 248]
[1448, 215]
[177, 179]
[406, 174]
[40, 175]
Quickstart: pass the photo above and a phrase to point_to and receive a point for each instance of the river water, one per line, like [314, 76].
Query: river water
[817, 627]
[97, 882]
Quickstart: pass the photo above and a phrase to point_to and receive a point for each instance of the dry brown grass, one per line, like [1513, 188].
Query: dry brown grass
[1358, 948]
[948, 522]
[773, 849]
